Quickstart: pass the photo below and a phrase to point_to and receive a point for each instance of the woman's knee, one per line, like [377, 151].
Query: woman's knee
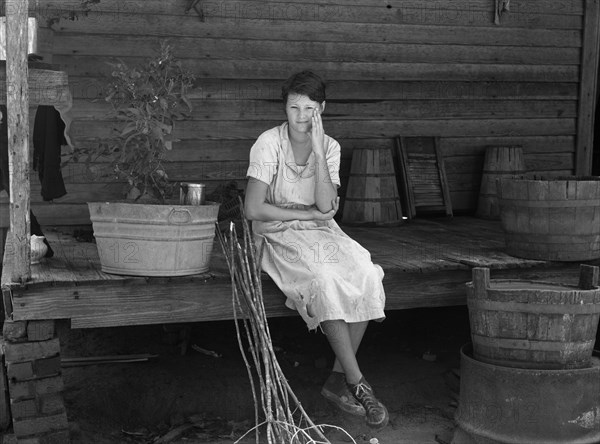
[334, 328]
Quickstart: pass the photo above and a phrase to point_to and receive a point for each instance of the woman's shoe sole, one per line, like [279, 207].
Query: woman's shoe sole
[383, 423]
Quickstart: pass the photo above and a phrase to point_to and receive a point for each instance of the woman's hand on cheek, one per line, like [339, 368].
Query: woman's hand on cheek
[317, 134]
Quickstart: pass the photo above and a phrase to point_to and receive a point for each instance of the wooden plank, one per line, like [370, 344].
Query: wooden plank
[474, 13]
[404, 17]
[90, 88]
[533, 162]
[275, 69]
[239, 149]
[103, 191]
[84, 192]
[460, 146]
[56, 214]
[372, 109]
[92, 192]
[169, 25]
[471, 181]
[588, 88]
[245, 49]
[18, 135]
[77, 175]
[243, 129]
[46, 87]
[290, 9]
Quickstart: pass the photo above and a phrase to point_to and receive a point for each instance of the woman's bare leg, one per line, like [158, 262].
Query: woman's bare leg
[345, 339]
[356, 331]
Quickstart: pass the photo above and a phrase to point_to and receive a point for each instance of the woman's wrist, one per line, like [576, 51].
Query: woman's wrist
[320, 158]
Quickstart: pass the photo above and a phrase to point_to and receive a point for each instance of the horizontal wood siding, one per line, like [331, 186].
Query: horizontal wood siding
[400, 67]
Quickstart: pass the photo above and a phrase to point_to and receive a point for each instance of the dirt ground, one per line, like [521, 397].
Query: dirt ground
[204, 398]
[199, 398]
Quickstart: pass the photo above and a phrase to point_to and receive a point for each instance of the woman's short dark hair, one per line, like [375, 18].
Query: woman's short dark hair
[306, 83]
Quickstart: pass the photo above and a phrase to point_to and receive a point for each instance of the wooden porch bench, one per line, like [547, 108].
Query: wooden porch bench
[426, 263]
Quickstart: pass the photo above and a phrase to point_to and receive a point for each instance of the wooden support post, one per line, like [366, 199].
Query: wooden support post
[17, 104]
[35, 383]
[587, 88]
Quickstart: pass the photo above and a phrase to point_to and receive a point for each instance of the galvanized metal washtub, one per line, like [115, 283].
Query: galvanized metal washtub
[516, 406]
[154, 240]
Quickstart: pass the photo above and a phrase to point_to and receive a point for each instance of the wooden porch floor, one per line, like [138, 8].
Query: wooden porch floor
[426, 261]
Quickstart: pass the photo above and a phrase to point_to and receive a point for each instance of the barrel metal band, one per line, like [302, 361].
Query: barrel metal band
[533, 308]
[568, 240]
[526, 344]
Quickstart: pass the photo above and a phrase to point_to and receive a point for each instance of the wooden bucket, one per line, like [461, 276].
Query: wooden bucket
[500, 405]
[554, 220]
[500, 162]
[528, 324]
[372, 192]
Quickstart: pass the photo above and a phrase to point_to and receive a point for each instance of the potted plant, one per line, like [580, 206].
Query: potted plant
[149, 234]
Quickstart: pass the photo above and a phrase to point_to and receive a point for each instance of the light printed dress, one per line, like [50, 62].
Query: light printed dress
[325, 274]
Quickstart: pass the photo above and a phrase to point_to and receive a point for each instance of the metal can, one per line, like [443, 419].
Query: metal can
[192, 193]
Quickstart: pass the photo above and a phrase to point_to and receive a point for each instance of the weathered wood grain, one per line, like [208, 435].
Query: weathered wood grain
[372, 109]
[94, 66]
[17, 105]
[447, 70]
[588, 89]
[544, 14]
[533, 162]
[315, 51]
[245, 129]
[91, 88]
[46, 87]
[459, 146]
[222, 150]
[179, 7]
[295, 30]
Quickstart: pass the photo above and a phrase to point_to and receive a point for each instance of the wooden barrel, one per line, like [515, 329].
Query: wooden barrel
[372, 192]
[499, 162]
[529, 324]
[555, 220]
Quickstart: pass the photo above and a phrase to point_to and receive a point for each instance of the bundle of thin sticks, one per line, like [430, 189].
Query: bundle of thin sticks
[285, 420]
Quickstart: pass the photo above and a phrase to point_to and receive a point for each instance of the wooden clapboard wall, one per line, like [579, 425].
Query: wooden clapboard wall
[398, 67]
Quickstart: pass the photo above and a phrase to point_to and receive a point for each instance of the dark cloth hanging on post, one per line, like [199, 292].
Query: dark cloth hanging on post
[48, 138]
[4, 179]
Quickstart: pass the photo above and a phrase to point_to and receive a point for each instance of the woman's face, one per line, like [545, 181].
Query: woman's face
[299, 110]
